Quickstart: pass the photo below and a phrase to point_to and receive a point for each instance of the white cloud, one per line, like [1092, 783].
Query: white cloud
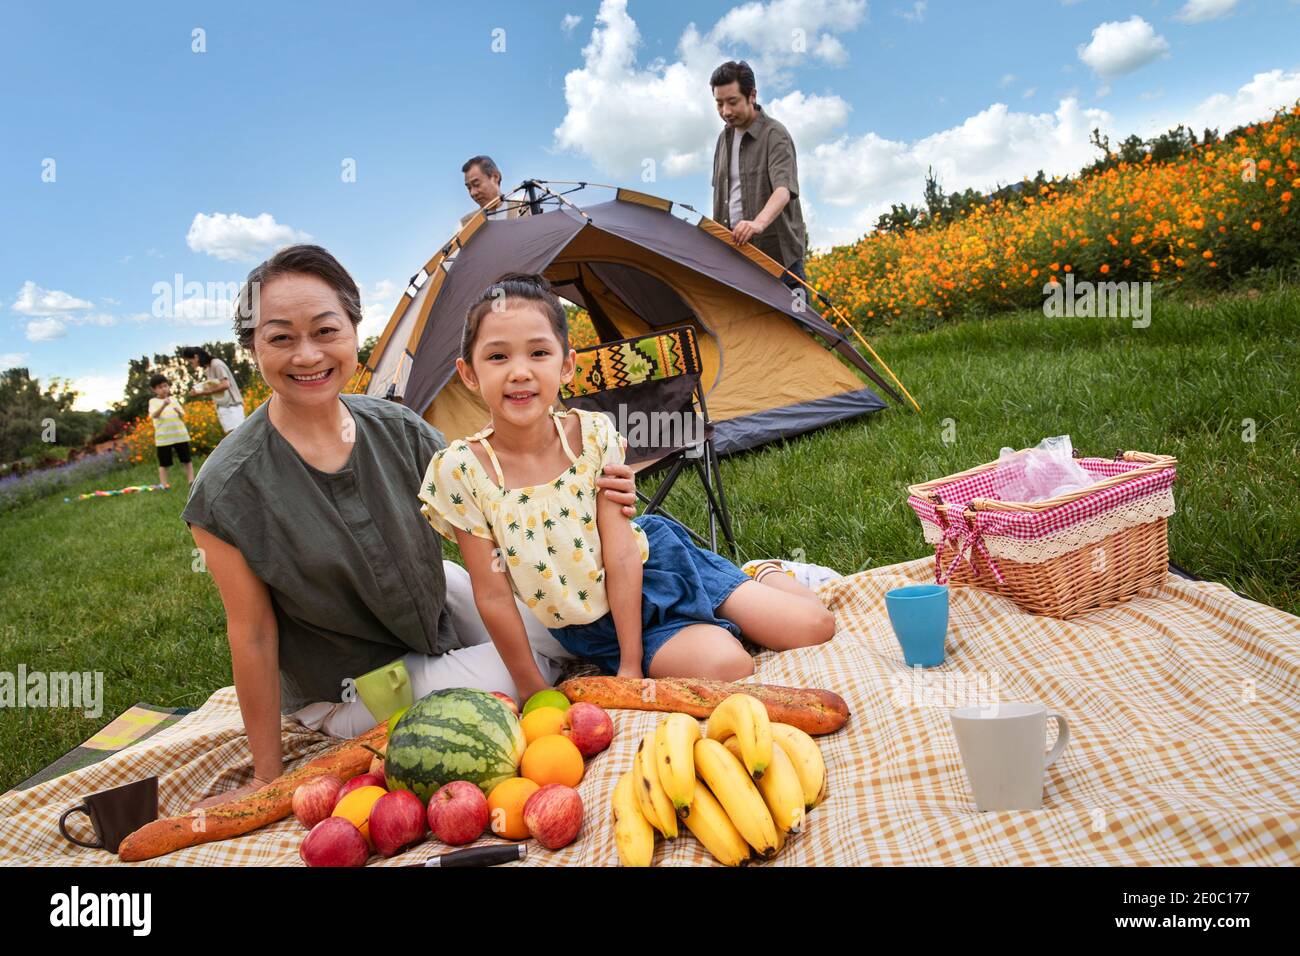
[810, 119]
[45, 330]
[377, 305]
[235, 238]
[915, 15]
[1007, 80]
[1122, 46]
[672, 119]
[1253, 101]
[1029, 93]
[96, 392]
[12, 360]
[1198, 11]
[570, 22]
[202, 311]
[992, 148]
[782, 32]
[33, 300]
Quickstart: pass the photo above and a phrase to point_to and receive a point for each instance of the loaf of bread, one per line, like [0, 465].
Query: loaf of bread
[812, 711]
[257, 809]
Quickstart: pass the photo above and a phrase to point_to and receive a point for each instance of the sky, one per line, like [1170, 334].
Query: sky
[152, 153]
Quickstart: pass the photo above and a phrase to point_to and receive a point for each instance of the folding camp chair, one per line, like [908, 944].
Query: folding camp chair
[650, 386]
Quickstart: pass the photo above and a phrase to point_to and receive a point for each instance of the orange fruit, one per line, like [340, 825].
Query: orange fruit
[355, 808]
[506, 807]
[552, 759]
[542, 721]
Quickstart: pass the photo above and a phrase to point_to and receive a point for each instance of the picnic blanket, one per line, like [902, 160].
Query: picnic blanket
[134, 724]
[1183, 705]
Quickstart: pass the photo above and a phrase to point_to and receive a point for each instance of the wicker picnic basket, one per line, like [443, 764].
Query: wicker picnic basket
[1063, 556]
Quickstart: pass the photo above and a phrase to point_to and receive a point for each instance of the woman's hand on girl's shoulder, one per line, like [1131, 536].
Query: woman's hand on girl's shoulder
[619, 486]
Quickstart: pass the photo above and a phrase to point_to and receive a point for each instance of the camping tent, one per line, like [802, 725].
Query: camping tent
[771, 363]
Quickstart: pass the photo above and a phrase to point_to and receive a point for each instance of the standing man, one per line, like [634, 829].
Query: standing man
[755, 175]
[220, 386]
[483, 182]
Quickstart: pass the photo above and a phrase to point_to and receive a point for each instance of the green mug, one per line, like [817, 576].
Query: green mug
[385, 690]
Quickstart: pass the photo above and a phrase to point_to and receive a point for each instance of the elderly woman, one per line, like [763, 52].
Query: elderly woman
[309, 521]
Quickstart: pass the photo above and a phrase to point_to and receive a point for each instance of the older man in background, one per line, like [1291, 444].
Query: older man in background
[755, 174]
[483, 183]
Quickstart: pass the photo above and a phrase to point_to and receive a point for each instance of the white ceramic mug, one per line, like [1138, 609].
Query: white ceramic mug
[1002, 749]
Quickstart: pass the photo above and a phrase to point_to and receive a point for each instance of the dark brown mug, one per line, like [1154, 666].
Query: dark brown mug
[115, 813]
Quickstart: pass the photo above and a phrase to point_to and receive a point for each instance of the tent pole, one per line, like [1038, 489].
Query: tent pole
[840, 317]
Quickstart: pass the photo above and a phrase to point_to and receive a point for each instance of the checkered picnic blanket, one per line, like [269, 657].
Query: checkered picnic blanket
[1183, 718]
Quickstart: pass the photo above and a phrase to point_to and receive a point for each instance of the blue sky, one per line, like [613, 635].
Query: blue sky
[128, 158]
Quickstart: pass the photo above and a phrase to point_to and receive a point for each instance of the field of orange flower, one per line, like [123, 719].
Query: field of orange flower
[1212, 215]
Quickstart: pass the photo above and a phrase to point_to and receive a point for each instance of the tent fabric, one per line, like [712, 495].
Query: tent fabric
[527, 244]
[700, 252]
[635, 267]
[750, 431]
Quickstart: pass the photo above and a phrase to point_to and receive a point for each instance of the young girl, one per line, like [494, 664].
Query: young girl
[519, 498]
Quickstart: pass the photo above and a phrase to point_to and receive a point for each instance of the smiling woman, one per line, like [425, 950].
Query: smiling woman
[309, 521]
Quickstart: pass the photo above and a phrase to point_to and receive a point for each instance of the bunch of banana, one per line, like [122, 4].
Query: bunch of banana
[709, 783]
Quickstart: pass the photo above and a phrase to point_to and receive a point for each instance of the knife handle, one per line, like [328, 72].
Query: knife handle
[481, 856]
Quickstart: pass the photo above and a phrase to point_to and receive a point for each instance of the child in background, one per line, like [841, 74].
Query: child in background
[169, 431]
[635, 596]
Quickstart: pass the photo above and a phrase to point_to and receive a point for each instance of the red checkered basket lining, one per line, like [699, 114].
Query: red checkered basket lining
[1028, 525]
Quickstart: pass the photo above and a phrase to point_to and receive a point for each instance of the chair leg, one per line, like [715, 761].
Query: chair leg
[664, 487]
[724, 514]
[715, 508]
[668, 514]
[710, 473]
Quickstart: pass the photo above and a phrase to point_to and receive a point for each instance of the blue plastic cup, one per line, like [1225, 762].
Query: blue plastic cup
[919, 616]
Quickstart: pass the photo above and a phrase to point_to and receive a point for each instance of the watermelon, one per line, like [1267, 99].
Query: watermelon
[454, 734]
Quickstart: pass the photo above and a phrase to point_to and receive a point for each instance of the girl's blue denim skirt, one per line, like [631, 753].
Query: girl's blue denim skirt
[681, 584]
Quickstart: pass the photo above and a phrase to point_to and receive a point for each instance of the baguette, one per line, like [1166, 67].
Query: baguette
[257, 809]
[812, 711]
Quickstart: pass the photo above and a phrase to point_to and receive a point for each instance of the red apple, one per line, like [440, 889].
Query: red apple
[334, 842]
[376, 767]
[553, 815]
[314, 800]
[363, 780]
[396, 821]
[510, 701]
[458, 813]
[589, 727]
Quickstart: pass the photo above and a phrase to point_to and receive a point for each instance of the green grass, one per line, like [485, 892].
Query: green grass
[107, 585]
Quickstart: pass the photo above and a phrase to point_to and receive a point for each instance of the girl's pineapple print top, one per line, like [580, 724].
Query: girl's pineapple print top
[545, 534]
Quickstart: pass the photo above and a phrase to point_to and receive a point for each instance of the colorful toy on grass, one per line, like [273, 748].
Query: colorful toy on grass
[128, 490]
